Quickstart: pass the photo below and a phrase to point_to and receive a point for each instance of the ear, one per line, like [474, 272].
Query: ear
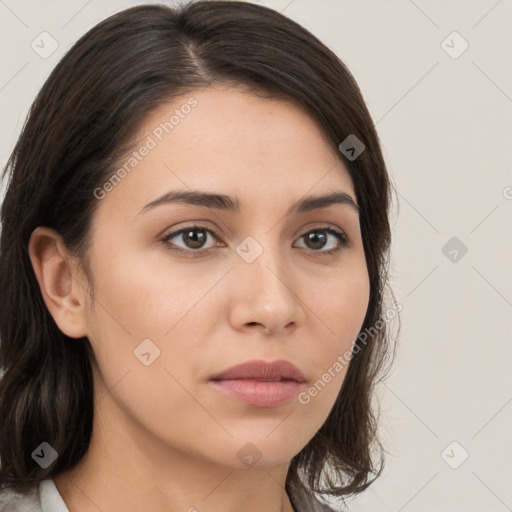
[61, 285]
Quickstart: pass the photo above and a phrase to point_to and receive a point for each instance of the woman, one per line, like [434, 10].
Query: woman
[193, 253]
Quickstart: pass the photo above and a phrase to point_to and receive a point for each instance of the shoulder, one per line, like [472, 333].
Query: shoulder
[12, 501]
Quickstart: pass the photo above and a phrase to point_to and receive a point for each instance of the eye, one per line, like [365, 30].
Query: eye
[319, 237]
[195, 237]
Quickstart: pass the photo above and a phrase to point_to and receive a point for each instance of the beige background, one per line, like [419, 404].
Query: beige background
[446, 128]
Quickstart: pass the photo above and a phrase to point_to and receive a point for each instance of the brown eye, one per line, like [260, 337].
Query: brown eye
[317, 239]
[193, 237]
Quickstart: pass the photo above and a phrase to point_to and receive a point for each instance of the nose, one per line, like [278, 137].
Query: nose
[266, 294]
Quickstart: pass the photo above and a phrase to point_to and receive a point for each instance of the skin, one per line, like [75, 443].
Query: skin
[163, 439]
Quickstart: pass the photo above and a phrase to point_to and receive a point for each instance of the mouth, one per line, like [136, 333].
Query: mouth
[259, 383]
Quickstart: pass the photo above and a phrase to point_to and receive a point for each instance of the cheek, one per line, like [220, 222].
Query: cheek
[341, 304]
[147, 311]
[340, 309]
[144, 314]
[349, 305]
[145, 297]
[133, 302]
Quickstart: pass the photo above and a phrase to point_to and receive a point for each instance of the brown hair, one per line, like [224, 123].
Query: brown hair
[78, 126]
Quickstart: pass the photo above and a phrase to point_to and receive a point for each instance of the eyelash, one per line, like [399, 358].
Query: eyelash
[340, 235]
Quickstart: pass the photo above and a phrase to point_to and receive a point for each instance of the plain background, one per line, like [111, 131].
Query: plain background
[445, 123]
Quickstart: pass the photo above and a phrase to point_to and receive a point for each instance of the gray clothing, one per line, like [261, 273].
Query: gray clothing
[42, 498]
[45, 497]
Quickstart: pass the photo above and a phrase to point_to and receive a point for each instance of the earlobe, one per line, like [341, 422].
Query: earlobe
[62, 292]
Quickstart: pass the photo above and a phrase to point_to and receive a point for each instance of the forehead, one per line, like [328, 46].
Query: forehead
[229, 141]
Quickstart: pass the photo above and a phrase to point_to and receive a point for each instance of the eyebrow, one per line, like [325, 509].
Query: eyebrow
[232, 204]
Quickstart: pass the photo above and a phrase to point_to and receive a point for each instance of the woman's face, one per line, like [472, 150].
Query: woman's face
[262, 282]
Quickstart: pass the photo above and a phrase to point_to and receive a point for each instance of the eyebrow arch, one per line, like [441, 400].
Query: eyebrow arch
[232, 204]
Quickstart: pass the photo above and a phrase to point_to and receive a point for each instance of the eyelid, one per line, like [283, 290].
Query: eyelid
[343, 239]
[191, 227]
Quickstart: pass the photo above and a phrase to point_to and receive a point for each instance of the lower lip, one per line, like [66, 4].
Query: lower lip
[259, 393]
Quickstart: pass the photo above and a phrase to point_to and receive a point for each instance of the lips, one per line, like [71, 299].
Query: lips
[262, 371]
[259, 383]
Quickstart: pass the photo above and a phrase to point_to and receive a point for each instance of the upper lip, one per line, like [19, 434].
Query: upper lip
[260, 369]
